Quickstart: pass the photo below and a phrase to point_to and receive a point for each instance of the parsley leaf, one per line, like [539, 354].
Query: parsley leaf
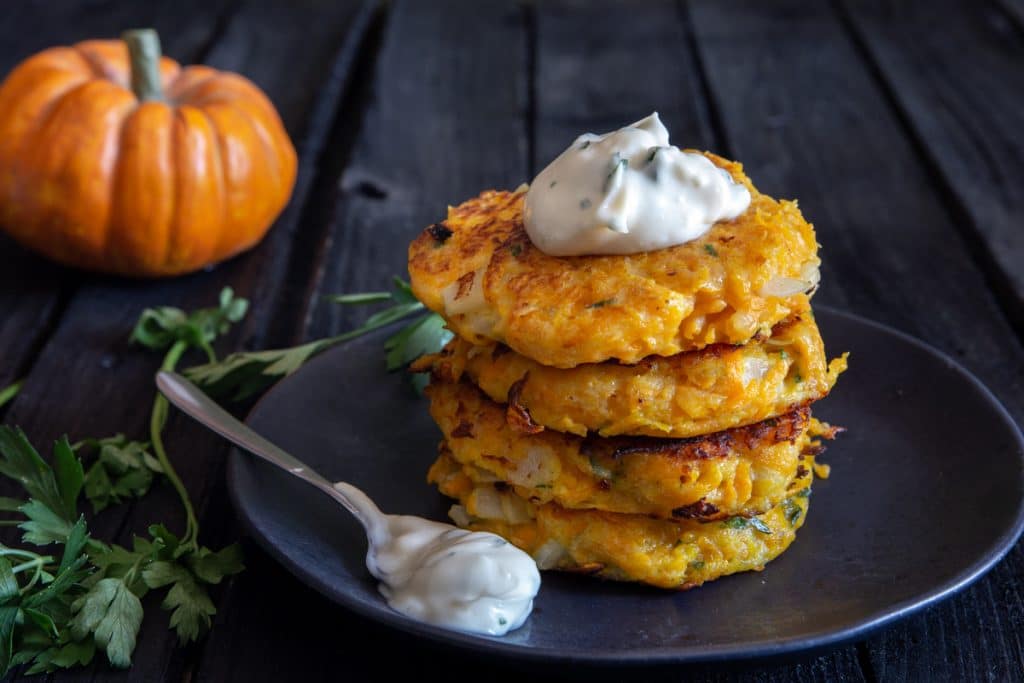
[241, 375]
[43, 526]
[20, 461]
[113, 615]
[122, 470]
[190, 605]
[211, 567]
[54, 614]
[66, 656]
[159, 328]
[426, 335]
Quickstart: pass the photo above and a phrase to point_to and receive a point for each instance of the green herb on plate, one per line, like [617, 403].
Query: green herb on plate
[241, 375]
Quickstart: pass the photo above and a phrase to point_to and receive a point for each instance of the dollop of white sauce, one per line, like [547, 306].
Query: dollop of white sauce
[439, 574]
[627, 192]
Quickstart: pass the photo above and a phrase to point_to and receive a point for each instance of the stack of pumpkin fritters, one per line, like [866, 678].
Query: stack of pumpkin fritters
[642, 417]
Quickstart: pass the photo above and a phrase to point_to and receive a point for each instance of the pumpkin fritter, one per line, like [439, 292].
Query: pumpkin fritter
[742, 471]
[689, 394]
[623, 547]
[480, 271]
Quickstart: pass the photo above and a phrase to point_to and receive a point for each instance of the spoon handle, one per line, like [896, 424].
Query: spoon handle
[191, 400]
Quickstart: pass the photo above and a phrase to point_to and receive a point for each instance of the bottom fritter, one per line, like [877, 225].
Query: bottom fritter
[625, 547]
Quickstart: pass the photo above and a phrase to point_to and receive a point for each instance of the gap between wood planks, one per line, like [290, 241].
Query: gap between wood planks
[69, 281]
[315, 121]
[69, 286]
[975, 242]
[298, 296]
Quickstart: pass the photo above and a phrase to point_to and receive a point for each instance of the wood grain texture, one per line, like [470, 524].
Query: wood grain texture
[463, 96]
[808, 120]
[955, 71]
[32, 290]
[446, 119]
[633, 59]
[88, 381]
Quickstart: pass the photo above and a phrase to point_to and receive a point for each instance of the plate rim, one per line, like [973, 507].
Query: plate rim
[825, 638]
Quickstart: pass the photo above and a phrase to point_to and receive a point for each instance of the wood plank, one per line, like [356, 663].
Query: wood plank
[29, 300]
[314, 643]
[32, 291]
[591, 80]
[448, 121]
[633, 59]
[381, 162]
[959, 89]
[89, 381]
[449, 77]
[802, 112]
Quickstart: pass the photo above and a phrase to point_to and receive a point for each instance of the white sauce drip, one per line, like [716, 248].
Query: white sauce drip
[439, 574]
[627, 192]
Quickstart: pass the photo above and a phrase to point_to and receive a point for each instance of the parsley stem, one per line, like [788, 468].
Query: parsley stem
[31, 564]
[156, 425]
[5, 551]
[130, 575]
[8, 393]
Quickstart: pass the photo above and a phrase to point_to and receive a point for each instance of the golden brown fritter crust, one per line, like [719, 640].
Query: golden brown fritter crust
[742, 471]
[622, 547]
[479, 269]
[699, 392]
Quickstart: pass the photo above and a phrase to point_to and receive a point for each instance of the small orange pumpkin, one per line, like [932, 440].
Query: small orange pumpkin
[115, 159]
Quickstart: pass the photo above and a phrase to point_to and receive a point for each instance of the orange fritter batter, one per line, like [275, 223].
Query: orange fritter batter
[479, 270]
[685, 395]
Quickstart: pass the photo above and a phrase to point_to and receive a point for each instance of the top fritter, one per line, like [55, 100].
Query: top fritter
[479, 269]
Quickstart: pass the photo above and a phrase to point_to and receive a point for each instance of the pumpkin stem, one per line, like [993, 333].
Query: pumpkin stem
[144, 51]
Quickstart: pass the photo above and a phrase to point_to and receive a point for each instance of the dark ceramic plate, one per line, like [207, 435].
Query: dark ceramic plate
[886, 536]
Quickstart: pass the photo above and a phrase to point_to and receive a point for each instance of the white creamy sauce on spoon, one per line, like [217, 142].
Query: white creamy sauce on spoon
[626, 192]
[436, 573]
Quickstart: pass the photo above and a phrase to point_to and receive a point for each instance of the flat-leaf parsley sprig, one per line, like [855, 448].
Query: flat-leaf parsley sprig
[241, 375]
[172, 330]
[55, 613]
[57, 609]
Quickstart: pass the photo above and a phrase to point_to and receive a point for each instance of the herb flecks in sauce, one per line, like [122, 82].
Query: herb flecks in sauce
[641, 194]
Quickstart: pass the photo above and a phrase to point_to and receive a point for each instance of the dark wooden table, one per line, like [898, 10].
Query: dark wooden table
[899, 126]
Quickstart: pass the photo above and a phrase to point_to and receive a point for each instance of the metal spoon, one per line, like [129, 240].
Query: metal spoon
[191, 400]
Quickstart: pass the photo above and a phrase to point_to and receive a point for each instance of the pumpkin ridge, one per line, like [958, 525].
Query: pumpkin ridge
[243, 239]
[266, 139]
[222, 182]
[172, 252]
[73, 241]
[98, 69]
[114, 186]
[172, 164]
[184, 96]
[92, 178]
[44, 114]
